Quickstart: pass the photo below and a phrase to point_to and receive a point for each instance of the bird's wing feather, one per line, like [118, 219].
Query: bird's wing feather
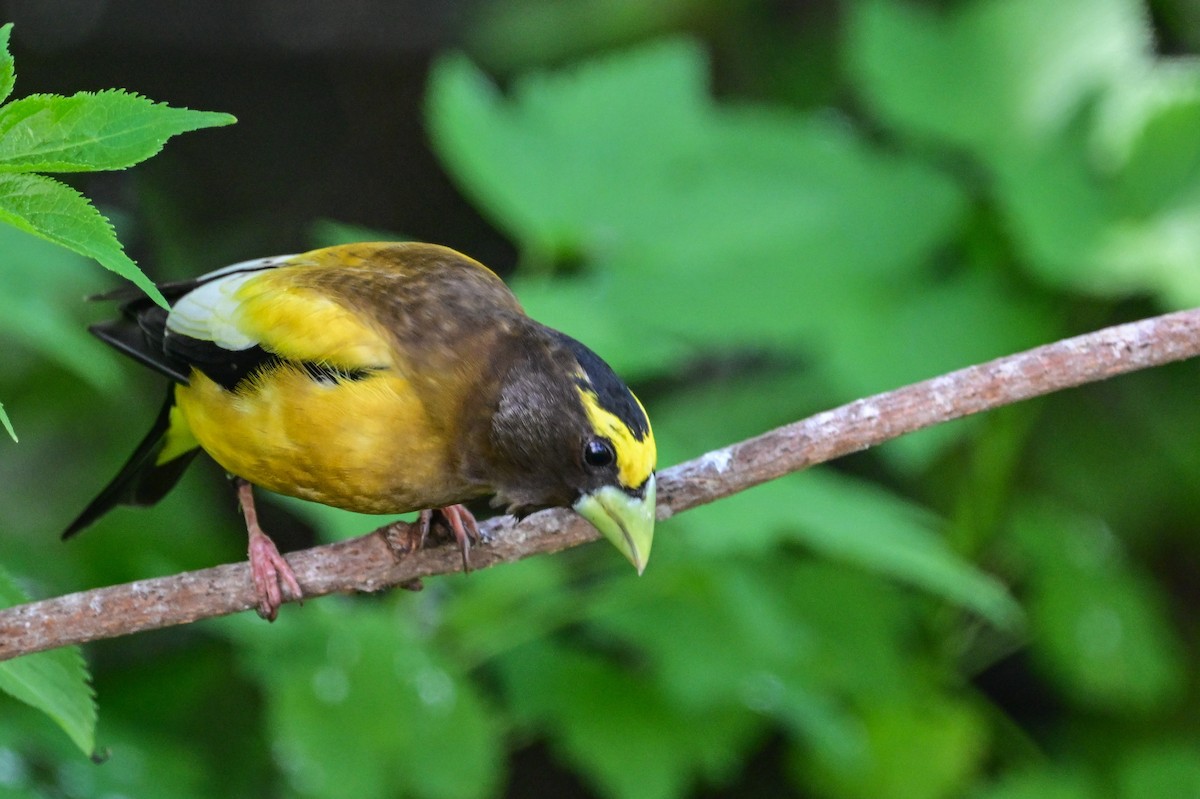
[240, 319]
[141, 330]
[132, 337]
[300, 322]
[336, 312]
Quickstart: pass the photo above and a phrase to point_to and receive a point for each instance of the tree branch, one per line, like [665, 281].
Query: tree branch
[367, 564]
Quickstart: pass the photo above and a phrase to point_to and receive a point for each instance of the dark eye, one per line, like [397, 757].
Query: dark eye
[598, 453]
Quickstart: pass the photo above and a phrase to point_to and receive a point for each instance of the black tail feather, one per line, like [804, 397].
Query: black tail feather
[142, 340]
[141, 481]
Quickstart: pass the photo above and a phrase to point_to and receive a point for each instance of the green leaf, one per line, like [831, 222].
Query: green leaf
[1108, 641]
[666, 182]
[853, 521]
[40, 286]
[786, 654]
[112, 129]
[502, 609]
[1169, 768]
[1088, 140]
[1160, 161]
[703, 227]
[7, 424]
[619, 730]
[749, 626]
[54, 682]
[1102, 630]
[739, 253]
[993, 101]
[930, 749]
[689, 423]
[581, 307]
[511, 156]
[520, 35]
[49, 209]
[965, 318]
[143, 758]
[8, 73]
[341, 672]
[1047, 784]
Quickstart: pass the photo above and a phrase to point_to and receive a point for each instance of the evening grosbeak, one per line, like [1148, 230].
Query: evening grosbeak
[381, 378]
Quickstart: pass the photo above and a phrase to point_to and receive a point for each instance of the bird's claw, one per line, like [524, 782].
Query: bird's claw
[464, 527]
[274, 580]
[403, 538]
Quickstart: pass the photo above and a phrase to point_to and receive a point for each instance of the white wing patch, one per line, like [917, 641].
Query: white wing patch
[210, 311]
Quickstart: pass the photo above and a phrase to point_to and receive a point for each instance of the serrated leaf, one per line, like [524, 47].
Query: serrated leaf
[112, 129]
[7, 424]
[55, 212]
[55, 682]
[7, 66]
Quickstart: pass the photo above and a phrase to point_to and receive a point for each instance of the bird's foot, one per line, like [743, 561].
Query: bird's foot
[274, 580]
[404, 539]
[401, 541]
[461, 523]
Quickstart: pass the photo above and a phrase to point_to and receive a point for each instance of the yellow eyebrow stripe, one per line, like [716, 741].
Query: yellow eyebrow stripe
[635, 459]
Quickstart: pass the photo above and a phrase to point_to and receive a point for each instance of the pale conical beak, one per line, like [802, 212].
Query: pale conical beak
[625, 520]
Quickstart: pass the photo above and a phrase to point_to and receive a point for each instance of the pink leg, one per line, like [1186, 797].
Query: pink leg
[273, 577]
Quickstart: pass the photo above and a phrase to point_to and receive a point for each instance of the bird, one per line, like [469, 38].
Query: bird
[382, 378]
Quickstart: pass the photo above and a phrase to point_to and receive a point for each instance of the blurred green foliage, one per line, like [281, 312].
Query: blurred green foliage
[1000, 607]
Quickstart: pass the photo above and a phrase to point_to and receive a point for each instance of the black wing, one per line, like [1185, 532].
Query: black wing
[141, 333]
